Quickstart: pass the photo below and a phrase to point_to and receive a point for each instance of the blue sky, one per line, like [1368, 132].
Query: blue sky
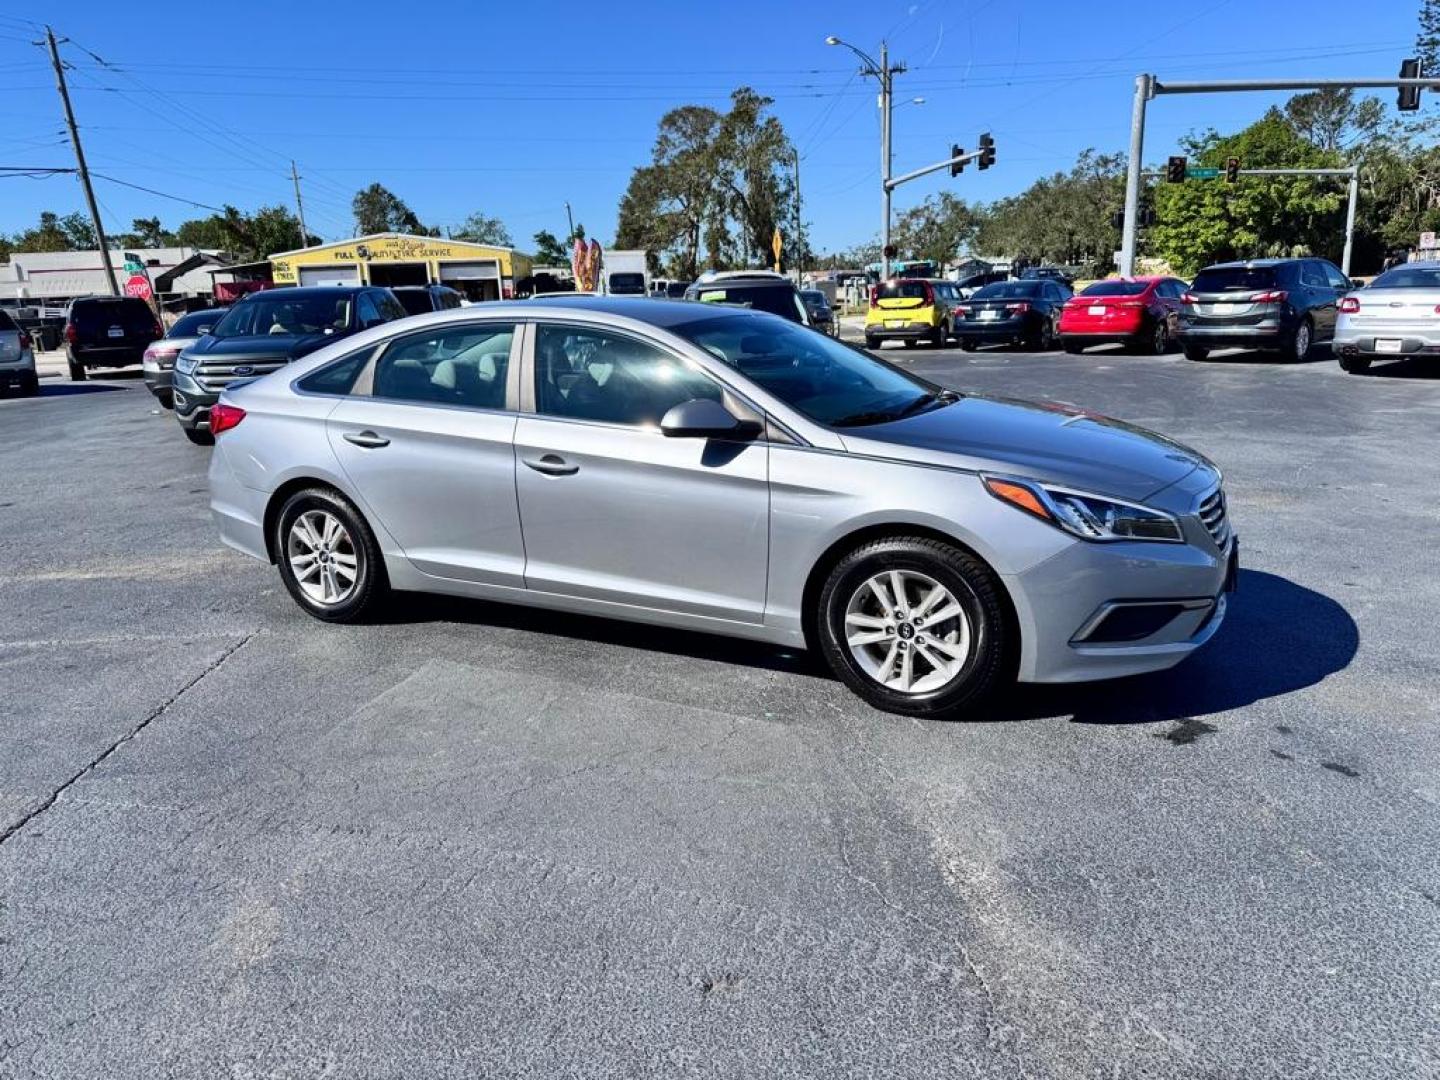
[514, 109]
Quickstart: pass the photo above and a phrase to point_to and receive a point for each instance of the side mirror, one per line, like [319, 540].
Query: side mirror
[702, 418]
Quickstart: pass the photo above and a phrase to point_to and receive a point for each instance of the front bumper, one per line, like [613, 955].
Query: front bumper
[192, 402]
[1066, 607]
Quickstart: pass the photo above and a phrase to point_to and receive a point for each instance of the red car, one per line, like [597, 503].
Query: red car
[1140, 312]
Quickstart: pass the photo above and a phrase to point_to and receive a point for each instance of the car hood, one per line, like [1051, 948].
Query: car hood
[291, 345]
[1054, 443]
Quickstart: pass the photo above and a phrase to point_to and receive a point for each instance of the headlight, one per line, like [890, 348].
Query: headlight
[186, 363]
[1090, 517]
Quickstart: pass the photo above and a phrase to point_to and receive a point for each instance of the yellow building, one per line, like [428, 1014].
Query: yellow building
[476, 271]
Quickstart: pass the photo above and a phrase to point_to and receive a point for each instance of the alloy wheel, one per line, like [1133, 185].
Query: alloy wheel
[322, 557]
[907, 632]
[1302, 341]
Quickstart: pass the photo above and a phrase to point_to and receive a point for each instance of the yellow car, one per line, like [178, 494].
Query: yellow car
[911, 310]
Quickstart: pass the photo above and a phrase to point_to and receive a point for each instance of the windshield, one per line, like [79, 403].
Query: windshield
[1008, 290]
[1116, 288]
[780, 300]
[830, 382]
[415, 301]
[627, 284]
[1409, 277]
[812, 296]
[1235, 279]
[316, 313]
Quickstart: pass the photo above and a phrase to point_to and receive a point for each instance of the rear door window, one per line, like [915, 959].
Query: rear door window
[1223, 279]
[7, 323]
[457, 365]
[1312, 275]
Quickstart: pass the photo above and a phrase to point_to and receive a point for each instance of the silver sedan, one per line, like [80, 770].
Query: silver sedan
[1396, 315]
[724, 470]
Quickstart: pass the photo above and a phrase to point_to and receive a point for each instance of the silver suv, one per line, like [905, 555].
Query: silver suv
[728, 471]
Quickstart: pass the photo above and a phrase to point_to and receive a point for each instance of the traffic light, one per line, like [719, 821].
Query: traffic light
[1232, 170]
[1409, 97]
[1146, 216]
[957, 167]
[1117, 219]
[1175, 170]
[987, 150]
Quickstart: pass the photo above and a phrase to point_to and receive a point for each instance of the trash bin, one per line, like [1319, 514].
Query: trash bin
[49, 338]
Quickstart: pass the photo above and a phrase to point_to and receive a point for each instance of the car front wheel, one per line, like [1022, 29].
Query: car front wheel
[914, 626]
[328, 557]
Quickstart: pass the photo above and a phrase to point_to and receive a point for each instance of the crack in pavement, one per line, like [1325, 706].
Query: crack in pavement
[150, 718]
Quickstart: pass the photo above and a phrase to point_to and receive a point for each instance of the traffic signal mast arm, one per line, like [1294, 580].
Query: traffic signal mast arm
[985, 154]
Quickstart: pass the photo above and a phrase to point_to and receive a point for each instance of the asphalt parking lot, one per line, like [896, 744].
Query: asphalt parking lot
[474, 840]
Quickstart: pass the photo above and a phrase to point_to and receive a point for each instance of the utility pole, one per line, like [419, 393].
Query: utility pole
[570, 218]
[885, 73]
[299, 206]
[80, 162]
[799, 225]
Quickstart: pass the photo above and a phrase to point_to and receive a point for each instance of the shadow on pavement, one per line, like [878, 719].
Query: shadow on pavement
[70, 389]
[1409, 368]
[1278, 638]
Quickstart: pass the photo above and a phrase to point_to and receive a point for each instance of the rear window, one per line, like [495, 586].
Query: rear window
[194, 324]
[1116, 288]
[627, 284]
[414, 301]
[1009, 290]
[902, 290]
[1408, 277]
[115, 311]
[7, 323]
[1235, 279]
[783, 301]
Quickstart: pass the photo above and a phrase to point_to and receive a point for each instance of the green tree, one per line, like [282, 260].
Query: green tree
[480, 229]
[1063, 218]
[377, 209]
[1333, 120]
[47, 236]
[1204, 221]
[208, 232]
[1427, 40]
[148, 232]
[936, 229]
[79, 232]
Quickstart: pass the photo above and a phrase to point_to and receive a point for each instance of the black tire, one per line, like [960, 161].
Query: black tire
[30, 385]
[871, 343]
[910, 342]
[198, 436]
[1073, 346]
[1198, 353]
[972, 584]
[1158, 341]
[968, 344]
[77, 371]
[1298, 345]
[370, 586]
[937, 338]
[167, 400]
[1355, 365]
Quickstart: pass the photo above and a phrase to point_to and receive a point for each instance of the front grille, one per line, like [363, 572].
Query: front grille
[216, 375]
[1213, 517]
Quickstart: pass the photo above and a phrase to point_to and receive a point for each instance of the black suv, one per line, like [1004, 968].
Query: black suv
[1281, 305]
[760, 289]
[108, 331]
[265, 331]
[418, 299]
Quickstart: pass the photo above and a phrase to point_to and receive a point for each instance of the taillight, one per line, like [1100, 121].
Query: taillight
[1274, 296]
[224, 417]
[1350, 305]
[70, 333]
[964, 308]
[1189, 299]
[159, 330]
[24, 340]
[1020, 308]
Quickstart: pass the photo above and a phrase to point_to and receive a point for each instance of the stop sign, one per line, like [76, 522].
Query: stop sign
[138, 286]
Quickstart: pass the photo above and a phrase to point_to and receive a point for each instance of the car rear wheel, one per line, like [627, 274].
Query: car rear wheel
[1073, 346]
[914, 626]
[968, 344]
[198, 436]
[1355, 365]
[30, 385]
[872, 342]
[1196, 352]
[937, 338]
[328, 557]
[1159, 338]
[77, 371]
[1298, 347]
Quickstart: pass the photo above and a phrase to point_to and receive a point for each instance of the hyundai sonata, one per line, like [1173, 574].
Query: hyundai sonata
[725, 470]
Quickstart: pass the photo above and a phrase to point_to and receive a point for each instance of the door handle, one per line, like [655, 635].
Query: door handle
[552, 465]
[367, 439]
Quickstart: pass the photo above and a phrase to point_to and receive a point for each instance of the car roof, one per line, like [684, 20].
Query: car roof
[1250, 264]
[646, 309]
[312, 290]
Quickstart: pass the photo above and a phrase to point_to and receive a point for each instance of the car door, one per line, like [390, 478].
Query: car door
[427, 442]
[1339, 286]
[615, 511]
[1318, 298]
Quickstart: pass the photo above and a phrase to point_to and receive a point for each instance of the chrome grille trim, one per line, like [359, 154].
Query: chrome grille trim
[1214, 516]
[217, 375]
